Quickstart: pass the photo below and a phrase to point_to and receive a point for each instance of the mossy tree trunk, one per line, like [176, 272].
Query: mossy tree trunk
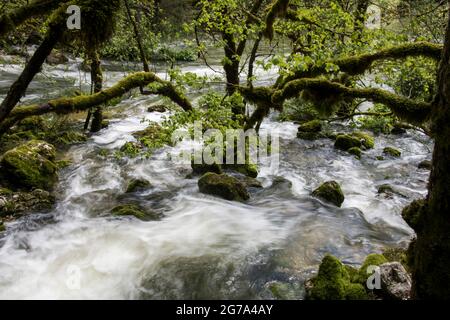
[430, 252]
[97, 79]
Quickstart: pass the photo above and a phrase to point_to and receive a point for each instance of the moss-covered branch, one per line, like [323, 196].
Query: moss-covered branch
[412, 111]
[278, 8]
[13, 19]
[81, 103]
[361, 63]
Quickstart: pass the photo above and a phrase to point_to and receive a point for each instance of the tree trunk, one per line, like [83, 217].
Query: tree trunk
[97, 79]
[33, 67]
[430, 252]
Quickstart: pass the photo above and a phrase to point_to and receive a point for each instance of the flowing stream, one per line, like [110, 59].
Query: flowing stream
[203, 247]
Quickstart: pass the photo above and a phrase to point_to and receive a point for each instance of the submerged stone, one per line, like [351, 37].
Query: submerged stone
[426, 165]
[224, 186]
[157, 108]
[134, 211]
[356, 152]
[137, 185]
[367, 141]
[330, 191]
[390, 151]
[31, 165]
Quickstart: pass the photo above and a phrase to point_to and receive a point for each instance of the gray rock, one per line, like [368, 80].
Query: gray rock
[395, 281]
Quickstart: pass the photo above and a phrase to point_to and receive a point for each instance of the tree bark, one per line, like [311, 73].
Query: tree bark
[430, 252]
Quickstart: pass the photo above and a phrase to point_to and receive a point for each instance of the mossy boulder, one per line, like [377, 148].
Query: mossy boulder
[310, 130]
[367, 141]
[426, 165]
[17, 203]
[137, 185]
[393, 152]
[386, 188]
[2, 227]
[345, 142]
[32, 124]
[371, 260]
[357, 152]
[333, 282]
[202, 168]
[31, 165]
[414, 212]
[248, 169]
[330, 191]
[311, 126]
[134, 211]
[224, 186]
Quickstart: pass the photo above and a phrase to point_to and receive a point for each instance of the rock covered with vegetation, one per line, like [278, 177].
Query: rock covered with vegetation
[31, 165]
[330, 191]
[223, 186]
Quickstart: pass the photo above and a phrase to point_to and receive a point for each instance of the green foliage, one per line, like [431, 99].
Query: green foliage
[377, 123]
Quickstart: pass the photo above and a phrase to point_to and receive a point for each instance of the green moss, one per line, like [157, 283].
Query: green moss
[224, 186]
[311, 126]
[2, 227]
[136, 185]
[31, 165]
[390, 151]
[345, 142]
[203, 168]
[386, 188]
[331, 282]
[396, 255]
[135, 211]
[371, 260]
[61, 164]
[282, 291]
[356, 152]
[330, 191]
[356, 291]
[130, 149]
[367, 141]
[67, 138]
[414, 213]
[249, 170]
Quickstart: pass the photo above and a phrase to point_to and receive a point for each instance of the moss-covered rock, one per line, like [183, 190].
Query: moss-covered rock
[371, 260]
[223, 186]
[311, 126]
[357, 152]
[390, 151]
[367, 141]
[330, 191]
[426, 165]
[31, 165]
[333, 282]
[201, 169]
[249, 170]
[386, 188]
[414, 212]
[345, 142]
[310, 130]
[18, 203]
[134, 211]
[137, 185]
[2, 227]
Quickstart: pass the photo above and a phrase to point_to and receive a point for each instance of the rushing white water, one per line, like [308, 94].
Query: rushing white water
[204, 247]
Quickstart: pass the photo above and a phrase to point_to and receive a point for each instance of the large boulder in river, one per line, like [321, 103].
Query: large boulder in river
[224, 186]
[310, 130]
[395, 281]
[31, 165]
[345, 142]
[330, 191]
